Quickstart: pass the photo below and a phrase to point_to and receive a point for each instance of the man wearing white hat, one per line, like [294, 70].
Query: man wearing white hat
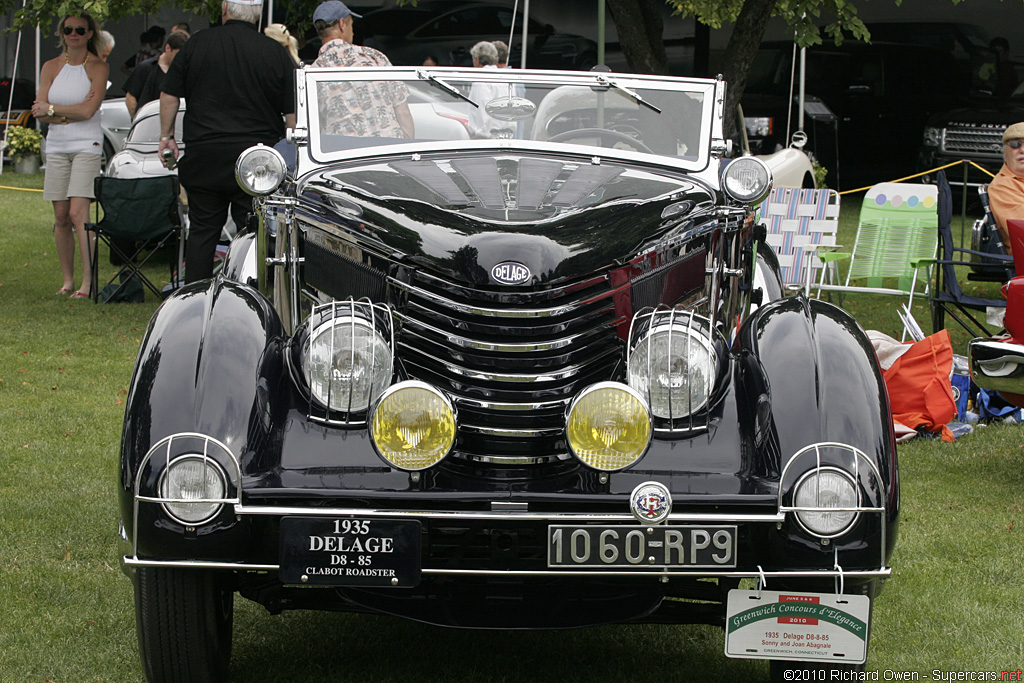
[1006, 191]
[239, 88]
[368, 109]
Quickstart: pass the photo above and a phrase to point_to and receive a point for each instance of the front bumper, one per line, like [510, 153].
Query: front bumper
[504, 544]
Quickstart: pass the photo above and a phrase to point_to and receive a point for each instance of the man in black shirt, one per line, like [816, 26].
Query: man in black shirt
[238, 85]
[144, 83]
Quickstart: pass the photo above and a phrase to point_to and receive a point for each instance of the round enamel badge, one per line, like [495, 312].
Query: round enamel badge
[650, 502]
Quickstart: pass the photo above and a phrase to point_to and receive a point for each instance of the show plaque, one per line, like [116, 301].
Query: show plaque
[346, 551]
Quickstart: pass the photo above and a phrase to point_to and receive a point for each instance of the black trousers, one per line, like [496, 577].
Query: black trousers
[207, 172]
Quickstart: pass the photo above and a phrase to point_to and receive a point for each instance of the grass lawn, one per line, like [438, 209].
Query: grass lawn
[955, 602]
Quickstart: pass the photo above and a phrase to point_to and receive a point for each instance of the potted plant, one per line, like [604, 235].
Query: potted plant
[25, 146]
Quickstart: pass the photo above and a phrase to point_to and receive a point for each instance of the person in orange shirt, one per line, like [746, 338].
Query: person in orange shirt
[1006, 191]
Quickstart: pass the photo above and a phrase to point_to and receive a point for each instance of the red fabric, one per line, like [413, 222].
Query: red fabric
[919, 388]
[1014, 322]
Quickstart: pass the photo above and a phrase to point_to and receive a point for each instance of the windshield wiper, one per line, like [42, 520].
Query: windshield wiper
[447, 87]
[636, 96]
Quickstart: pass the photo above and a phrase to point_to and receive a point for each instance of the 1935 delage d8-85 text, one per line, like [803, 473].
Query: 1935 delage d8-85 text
[542, 379]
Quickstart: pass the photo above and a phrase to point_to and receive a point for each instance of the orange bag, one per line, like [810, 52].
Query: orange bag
[919, 389]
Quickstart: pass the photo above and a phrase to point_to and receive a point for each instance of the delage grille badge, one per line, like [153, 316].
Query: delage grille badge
[511, 273]
[650, 502]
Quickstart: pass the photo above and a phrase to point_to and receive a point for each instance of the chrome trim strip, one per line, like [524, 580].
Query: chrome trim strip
[517, 460]
[465, 342]
[498, 431]
[508, 407]
[661, 572]
[553, 517]
[885, 571]
[563, 373]
[497, 312]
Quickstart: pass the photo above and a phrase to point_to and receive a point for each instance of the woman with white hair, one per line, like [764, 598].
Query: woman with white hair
[482, 126]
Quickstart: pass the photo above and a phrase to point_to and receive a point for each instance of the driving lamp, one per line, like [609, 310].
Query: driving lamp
[413, 426]
[608, 426]
[260, 170]
[673, 366]
[347, 364]
[747, 180]
[193, 482]
[825, 498]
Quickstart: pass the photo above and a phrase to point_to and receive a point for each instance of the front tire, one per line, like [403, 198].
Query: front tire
[183, 619]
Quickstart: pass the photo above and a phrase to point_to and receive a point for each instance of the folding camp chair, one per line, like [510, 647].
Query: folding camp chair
[946, 295]
[800, 221]
[140, 217]
[985, 238]
[896, 236]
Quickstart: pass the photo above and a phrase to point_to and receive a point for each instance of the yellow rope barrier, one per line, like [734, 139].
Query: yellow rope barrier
[23, 189]
[918, 175]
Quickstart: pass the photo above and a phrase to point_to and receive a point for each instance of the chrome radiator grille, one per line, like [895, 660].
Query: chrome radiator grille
[972, 139]
[510, 368]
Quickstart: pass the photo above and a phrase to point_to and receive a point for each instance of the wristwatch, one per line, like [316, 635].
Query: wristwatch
[49, 112]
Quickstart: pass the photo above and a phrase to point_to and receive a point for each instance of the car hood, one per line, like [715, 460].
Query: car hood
[131, 163]
[462, 216]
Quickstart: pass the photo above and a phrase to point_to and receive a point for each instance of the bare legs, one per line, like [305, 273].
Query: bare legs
[70, 216]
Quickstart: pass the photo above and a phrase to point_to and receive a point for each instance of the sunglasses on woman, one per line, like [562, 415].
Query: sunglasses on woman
[80, 30]
[1015, 144]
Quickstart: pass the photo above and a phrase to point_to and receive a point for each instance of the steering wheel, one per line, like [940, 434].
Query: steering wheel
[609, 136]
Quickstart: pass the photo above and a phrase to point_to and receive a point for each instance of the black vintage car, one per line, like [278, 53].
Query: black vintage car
[543, 379]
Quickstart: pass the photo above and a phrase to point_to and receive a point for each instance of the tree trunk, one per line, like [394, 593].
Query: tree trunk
[739, 55]
[641, 34]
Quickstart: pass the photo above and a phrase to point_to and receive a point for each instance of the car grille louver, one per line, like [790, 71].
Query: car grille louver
[964, 138]
[510, 369]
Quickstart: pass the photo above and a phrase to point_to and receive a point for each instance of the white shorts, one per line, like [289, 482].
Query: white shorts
[70, 175]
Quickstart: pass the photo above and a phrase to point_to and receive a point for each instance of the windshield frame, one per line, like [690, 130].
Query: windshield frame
[710, 138]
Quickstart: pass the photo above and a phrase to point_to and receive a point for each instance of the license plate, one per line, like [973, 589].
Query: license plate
[631, 546]
[344, 551]
[808, 627]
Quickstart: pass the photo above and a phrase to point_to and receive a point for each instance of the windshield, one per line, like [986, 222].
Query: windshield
[353, 110]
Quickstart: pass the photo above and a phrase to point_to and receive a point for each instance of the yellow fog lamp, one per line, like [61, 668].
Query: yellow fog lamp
[608, 426]
[413, 426]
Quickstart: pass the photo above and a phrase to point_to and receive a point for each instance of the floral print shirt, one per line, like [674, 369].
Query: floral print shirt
[363, 109]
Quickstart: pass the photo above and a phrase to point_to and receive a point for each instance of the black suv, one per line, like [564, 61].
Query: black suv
[867, 104]
[973, 134]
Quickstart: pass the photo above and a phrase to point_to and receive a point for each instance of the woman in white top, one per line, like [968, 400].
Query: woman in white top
[71, 89]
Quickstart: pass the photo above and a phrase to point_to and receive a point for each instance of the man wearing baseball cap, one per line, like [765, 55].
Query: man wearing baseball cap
[1006, 191]
[365, 109]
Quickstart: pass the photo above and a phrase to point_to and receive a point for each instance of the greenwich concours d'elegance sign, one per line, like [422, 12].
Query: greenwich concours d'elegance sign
[816, 627]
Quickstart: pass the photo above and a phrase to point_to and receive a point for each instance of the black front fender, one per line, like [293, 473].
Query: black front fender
[210, 363]
[809, 375]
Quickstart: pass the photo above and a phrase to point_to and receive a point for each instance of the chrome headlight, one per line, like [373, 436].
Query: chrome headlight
[608, 426]
[932, 136]
[826, 501]
[347, 363]
[413, 426]
[673, 364]
[260, 170]
[748, 180]
[195, 481]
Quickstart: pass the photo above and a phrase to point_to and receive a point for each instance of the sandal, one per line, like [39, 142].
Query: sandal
[80, 295]
[65, 290]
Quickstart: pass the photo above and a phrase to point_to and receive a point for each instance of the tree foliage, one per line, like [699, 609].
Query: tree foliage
[750, 18]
